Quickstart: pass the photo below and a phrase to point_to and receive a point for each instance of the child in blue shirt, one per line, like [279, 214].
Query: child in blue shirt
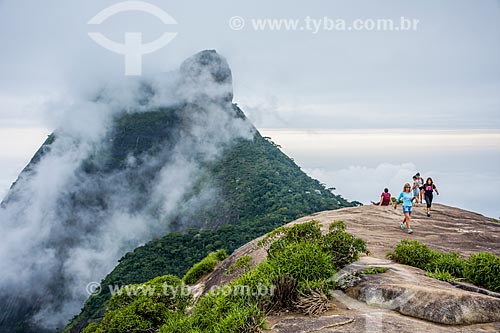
[407, 197]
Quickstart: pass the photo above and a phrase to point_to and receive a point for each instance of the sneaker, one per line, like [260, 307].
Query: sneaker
[428, 214]
[410, 231]
[402, 226]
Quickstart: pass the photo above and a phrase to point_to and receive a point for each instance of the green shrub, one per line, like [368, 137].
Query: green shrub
[450, 262]
[241, 264]
[204, 267]
[294, 276]
[342, 246]
[413, 253]
[179, 323]
[144, 306]
[167, 289]
[483, 269]
[142, 315]
[302, 232]
[300, 260]
[221, 313]
[262, 274]
[237, 306]
[303, 261]
[94, 327]
[282, 236]
[441, 275]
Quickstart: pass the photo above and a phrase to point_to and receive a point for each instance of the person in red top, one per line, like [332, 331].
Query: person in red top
[385, 198]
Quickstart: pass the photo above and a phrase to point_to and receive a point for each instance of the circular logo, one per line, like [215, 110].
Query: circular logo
[236, 23]
[93, 288]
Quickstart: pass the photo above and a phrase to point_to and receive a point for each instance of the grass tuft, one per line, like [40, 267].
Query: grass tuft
[205, 266]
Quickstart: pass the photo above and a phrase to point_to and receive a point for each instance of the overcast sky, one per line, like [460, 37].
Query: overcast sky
[339, 102]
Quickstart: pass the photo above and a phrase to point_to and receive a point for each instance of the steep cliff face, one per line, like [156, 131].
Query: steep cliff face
[139, 161]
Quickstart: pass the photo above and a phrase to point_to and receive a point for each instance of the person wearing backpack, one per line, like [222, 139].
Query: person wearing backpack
[429, 189]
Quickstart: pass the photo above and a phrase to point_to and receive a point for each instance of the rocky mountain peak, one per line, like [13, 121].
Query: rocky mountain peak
[208, 73]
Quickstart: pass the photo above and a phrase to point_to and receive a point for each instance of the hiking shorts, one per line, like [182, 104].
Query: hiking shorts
[407, 209]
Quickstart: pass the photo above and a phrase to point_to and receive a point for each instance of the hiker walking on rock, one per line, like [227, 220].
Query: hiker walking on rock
[407, 197]
[416, 190]
[429, 188]
[420, 184]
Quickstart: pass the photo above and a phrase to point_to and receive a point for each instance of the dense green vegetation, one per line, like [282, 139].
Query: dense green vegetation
[482, 268]
[205, 266]
[140, 307]
[259, 189]
[296, 275]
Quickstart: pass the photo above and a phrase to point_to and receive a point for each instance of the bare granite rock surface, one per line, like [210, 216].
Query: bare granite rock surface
[403, 299]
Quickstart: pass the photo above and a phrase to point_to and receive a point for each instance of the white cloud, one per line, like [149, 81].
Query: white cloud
[80, 222]
[474, 192]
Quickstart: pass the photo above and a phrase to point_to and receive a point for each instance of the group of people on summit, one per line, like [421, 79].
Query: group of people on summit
[415, 193]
